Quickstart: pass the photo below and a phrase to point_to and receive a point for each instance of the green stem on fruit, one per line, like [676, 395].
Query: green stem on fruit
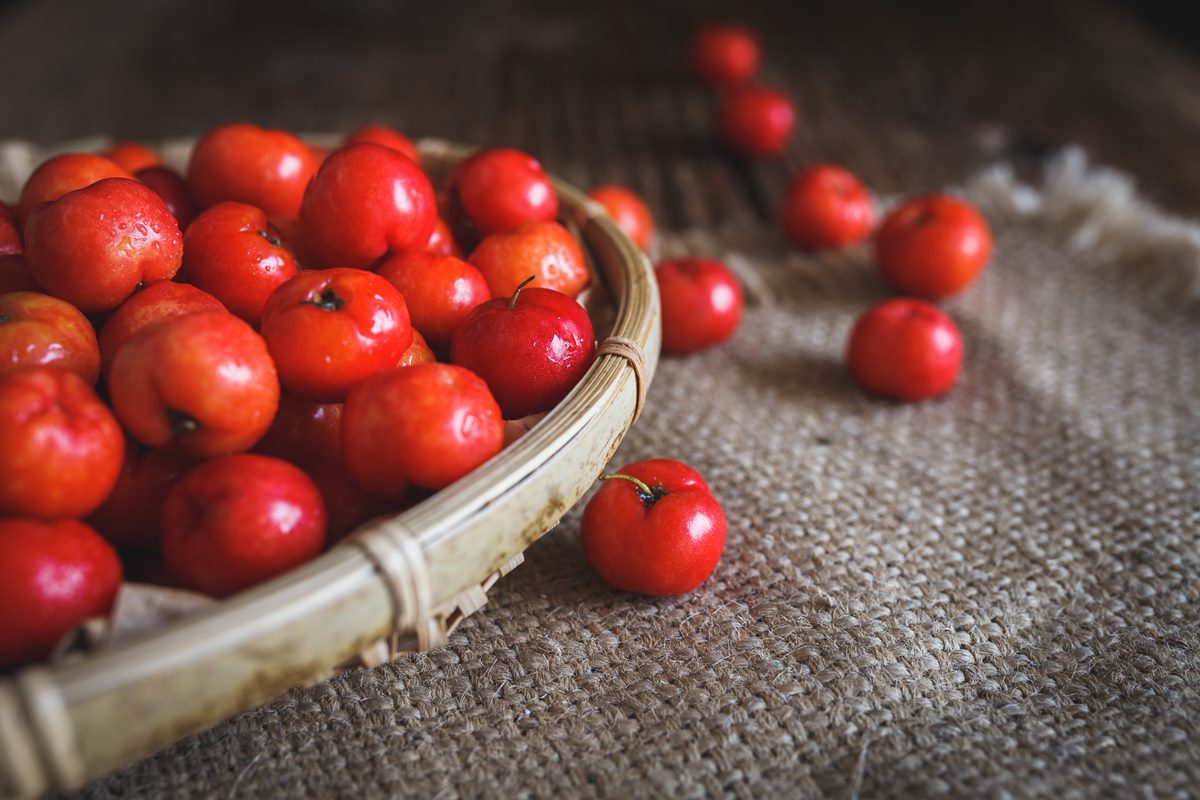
[274, 240]
[327, 300]
[512, 301]
[649, 496]
[181, 423]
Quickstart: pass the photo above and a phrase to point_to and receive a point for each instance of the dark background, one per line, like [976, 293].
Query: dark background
[910, 96]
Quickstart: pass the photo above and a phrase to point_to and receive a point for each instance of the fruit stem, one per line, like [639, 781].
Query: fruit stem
[327, 300]
[512, 301]
[649, 496]
[181, 423]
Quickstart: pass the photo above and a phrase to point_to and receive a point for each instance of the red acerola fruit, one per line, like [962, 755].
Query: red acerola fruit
[501, 189]
[170, 186]
[131, 156]
[905, 349]
[827, 207]
[61, 174]
[439, 290]
[441, 241]
[14, 272]
[545, 250]
[933, 247]
[418, 352]
[387, 137]
[756, 121]
[701, 303]
[156, 302]
[268, 169]
[723, 54]
[628, 211]
[304, 432]
[128, 517]
[40, 330]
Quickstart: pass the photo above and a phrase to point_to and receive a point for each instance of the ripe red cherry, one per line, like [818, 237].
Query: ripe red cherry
[933, 246]
[426, 425]
[654, 528]
[827, 207]
[365, 200]
[701, 303]
[93, 247]
[156, 302]
[756, 121]
[40, 330]
[347, 505]
[501, 189]
[170, 186]
[129, 515]
[61, 174]
[60, 448]
[387, 137]
[722, 54]
[14, 272]
[131, 156]
[304, 432]
[201, 383]
[441, 241]
[439, 290]
[530, 349]
[237, 521]
[628, 211]
[546, 250]
[418, 352]
[329, 329]
[248, 164]
[53, 576]
[232, 252]
[905, 349]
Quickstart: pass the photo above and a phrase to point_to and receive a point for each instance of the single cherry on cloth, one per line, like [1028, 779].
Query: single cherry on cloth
[128, 517]
[530, 349]
[628, 211]
[232, 252]
[304, 432]
[131, 156]
[722, 54]
[501, 189]
[440, 291]
[654, 528]
[60, 447]
[248, 164]
[202, 384]
[236, 521]
[61, 174]
[545, 250]
[426, 425]
[156, 302]
[40, 330]
[905, 349]
[418, 352]
[441, 241]
[381, 134]
[827, 207]
[95, 246]
[756, 121]
[330, 329]
[170, 186]
[53, 576]
[701, 303]
[366, 200]
[933, 246]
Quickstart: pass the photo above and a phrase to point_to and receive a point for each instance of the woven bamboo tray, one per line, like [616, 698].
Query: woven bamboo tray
[401, 584]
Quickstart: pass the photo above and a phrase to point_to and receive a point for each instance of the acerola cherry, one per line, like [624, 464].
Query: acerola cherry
[268, 169]
[129, 515]
[387, 137]
[365, 200]
[61, 174]
[304, 432]
[40, 330]
[905, 349]
[232, 252]
[60, 448]
[530, 349]
[347, 505]
[654, 528]
[933, 246]
[418, 352]
[441, 241]
[439, 290]
[93, 247]
[170, 186]
[14, 272]
[53, 576]
[628, 211]
[701, 303]
[756, 121]
[201, 383]
[131, 156]
[501, 189]
[426, 425]
[329, 329]
[723, 54]
[827, 207]
[156, 302]
[237, 521]
[546, 250]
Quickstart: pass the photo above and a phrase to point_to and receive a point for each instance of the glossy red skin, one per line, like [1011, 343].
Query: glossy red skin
[131, 156]
[170, 186]
[545, 250]
[14, 272]
[347, 505]
[440, 291]
[722, 54]
[827, 207]
[294, 240]
[93, 247]
[61, 174]
[248, 164]
[10, 234]
[701, 303]
[628, 211]
[207, 366]
[426, 425]
[234, 522]
[663, 545]
[321, 348]
[502, 189]
[933, 246]
[304, 432]
[441, 241]
[40, 330]
[156, 302]
[530, 355]
[365, 201]
[232, 252]
[53, 576]
[905, 349]
[60, 447]
[756, 121]
[129, 515]
[418, 352]
[387, 137]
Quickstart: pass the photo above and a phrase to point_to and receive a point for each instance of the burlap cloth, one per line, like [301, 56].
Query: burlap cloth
[991, 593]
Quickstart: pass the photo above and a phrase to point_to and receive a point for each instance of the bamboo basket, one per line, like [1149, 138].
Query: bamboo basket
[401, 583]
